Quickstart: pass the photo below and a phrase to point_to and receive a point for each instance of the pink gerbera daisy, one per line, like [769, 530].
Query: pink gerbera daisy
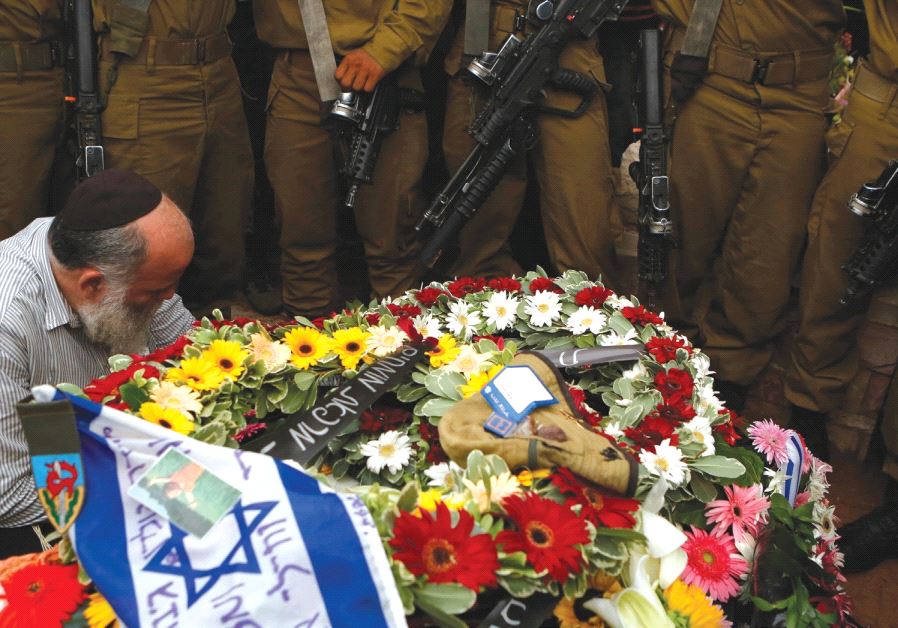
[714, 564]
[770, 439]
[744, 508]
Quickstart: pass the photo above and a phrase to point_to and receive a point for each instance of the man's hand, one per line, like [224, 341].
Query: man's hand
[359, 71]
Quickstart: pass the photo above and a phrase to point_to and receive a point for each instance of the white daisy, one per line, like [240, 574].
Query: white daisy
[618, 302]
[699, 428]
[666, 461]
[701, 363]
[615, 339]
[182, 398]
[441, 474]
[614, 430]
[272, 353]
[586, 318]
[497, 488]
[391, 450]
[637, 371]
[461, 320]
[385, 340]
[427, 326]
[543, 308]
[708, 403]
[469, 362]
[500, 310]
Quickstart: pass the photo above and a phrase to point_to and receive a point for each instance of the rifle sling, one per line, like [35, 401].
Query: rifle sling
[702, 24]
[477, 27]
[321, 49]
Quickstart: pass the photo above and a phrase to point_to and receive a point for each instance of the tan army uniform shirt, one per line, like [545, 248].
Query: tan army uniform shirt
[30, 20]
[389, 30]
[770, 25]
[882, 20]
[175, 19]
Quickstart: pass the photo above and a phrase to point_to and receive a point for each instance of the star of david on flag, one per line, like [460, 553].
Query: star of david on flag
[289, 552]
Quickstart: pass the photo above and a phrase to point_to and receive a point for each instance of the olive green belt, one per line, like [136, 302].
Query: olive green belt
[29, 56]
[176, 51]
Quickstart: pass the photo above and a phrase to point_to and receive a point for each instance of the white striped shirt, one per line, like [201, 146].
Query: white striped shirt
[42, 342]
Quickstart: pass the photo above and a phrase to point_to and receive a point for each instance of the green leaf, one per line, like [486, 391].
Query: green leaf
[305, 379]
[410, 393]
[436, 407]
[442, 619]
[214, 434]
[624, 534]
[719, 466]
[450, 598]
[133, 395]
[408, 498]
[754, 466]
[704, 490]
[294, 400]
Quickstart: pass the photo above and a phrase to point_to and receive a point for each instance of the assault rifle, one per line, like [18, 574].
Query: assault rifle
[650, 174]
[877, 256]
[517, 76]
[371, 116]
[81, 71]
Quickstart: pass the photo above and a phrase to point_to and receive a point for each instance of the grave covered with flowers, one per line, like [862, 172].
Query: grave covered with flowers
[717, 529]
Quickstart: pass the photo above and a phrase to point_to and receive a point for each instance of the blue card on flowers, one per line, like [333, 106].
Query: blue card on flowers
[513, 393]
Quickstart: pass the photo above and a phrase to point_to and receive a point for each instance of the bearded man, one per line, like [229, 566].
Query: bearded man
[97, 280]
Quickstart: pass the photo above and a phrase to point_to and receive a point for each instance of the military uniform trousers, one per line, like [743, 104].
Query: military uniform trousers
[572, 162]
[183, 128]
[745, 161]
[31, 122]
[300, 158]
[824, 358]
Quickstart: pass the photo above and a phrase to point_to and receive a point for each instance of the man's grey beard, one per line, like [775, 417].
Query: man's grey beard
[113, 323]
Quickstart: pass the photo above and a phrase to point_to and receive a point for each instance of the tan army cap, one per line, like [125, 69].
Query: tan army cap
[555, 436]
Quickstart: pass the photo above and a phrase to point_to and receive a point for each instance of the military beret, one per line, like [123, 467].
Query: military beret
[111, 198]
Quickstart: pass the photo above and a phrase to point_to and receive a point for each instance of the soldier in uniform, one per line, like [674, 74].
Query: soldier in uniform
[31, 108]
[572, 162]
[174, 115]
[372, 39]
[746, 157]
[824, 354]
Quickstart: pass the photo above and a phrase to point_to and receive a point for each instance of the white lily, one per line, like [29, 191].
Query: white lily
[636, 606]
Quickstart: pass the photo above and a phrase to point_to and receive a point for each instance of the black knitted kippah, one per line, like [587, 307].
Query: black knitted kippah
[111, 198]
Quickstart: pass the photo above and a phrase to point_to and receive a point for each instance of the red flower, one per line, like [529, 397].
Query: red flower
[652, 431]
[408, 326]
[108, 386]
[507, 284]
[499, 340]
[579, 398]
[678, 412]
[598, 507]
[428, 296]
[318, 322]
[431, 435]
[675, 385]
[465, 285]
[429, 546]
[403, 311]
[544, 284]
[372, 318]
[382, 419]
[171, 352]
[594, 296]
[640, 315]
[728, 430]
[548, 533]
[41, 595]
[665, 349]
[252, 429]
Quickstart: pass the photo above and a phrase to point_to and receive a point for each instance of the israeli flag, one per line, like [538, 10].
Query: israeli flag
[288, 552]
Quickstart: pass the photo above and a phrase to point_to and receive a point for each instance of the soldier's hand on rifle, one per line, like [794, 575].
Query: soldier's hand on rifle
[359, 71]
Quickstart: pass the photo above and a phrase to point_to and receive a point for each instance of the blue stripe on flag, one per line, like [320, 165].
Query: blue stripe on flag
[343, 574]
[101, 523]
[794, 463]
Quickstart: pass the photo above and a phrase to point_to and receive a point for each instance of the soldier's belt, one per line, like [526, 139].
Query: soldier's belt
[29, 56]
[788, 68]
[176, 51]
[874, 86]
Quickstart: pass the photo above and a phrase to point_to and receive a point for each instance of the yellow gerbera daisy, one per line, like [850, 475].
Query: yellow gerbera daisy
[227, 355]
[198, 373]
[445, 352]
[307, 345]
[99, 613]
[350, 344]
[692, 603]
[168, 418]
[567, 613]
[428, 500]
[478, 381]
